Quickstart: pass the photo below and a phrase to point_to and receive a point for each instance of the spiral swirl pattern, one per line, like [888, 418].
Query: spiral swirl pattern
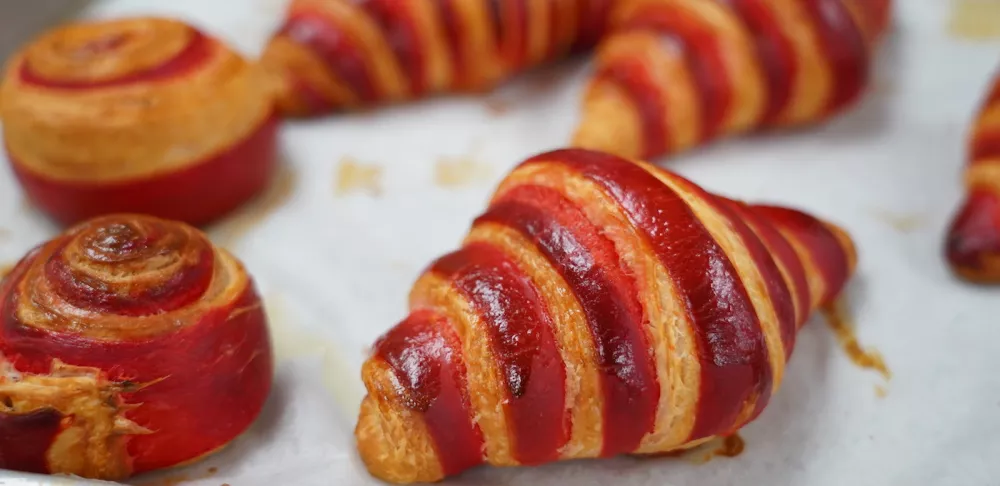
[973, 244]
[598, 307]
[335, 54]
[137, 115]
[165, 331]
[674, 74]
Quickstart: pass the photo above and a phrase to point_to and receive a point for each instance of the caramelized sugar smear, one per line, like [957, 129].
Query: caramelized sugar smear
[843, 328]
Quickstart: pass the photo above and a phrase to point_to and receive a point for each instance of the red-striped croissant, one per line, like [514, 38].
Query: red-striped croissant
[127, 344]
[973, 246]
[677, 73]
[599, 307]
[334, 54]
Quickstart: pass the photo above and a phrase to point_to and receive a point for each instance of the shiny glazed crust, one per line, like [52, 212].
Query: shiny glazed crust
[143, 115]
[333, 54]
[673, 74]
[127, 344]
[599, 307]
[973, 244]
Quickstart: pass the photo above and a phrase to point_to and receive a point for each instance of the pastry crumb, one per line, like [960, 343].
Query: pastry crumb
[974, 19]
[460, 172]
[354, 176]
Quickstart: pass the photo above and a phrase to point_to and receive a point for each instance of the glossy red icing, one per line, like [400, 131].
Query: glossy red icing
[634, 78]
[728, 337]
[827, 253]
[206, 382]
[845, 48]
[986, 146]
[511, 20]
[425, 354]
[198, 51]
[975, 233]
[455, 38]
[593, 22]
[197, 194]
[25, 439]
[607, 293]
[774, 51]
[340, 51]
[702, 53]
[519, 331]
[395, 20]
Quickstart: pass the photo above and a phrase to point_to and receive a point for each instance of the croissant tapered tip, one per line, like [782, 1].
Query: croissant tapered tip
[973, 244]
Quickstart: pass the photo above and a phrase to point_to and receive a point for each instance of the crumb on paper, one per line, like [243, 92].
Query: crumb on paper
[902, 223]
[864, 357]
[497, 105]
[355, 176]
[974, 19]
[228, 232]
[460, 172]
[881, 391]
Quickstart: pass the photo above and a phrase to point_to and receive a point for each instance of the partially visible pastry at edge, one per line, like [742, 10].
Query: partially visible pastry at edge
[128, 344]
[143, 115]
[336, 54]
[674, 74]
[599, 307]
[973, 244]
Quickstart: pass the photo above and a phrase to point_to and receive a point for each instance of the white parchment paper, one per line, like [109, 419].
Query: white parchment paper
[368, 200]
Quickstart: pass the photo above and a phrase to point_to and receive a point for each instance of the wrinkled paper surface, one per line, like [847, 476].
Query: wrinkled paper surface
[365, 201]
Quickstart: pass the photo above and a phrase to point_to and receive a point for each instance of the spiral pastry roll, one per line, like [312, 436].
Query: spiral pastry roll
[674, 74]
[139, 115]
[973, 245]
[335, 54]
[127, 344]
[599, 307]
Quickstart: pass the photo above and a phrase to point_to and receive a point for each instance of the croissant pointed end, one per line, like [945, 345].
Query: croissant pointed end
[391, 440]
[973, 244]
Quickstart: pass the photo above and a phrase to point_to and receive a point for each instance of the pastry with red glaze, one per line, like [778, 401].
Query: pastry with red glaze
[973, 245]
[599, 307]
[143, 115]
[127, 344]
[674, 74]
[334, 54]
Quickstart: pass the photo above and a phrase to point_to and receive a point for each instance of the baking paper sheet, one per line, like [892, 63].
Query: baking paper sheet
[365, 201]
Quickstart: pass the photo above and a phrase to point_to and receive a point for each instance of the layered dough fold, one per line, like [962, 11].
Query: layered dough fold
[600, 306]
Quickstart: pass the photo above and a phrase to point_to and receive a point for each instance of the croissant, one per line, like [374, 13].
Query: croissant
[127, 344]
[674, 74]
[335, 54]
[142, 115]
[599, 307]
[973, 244]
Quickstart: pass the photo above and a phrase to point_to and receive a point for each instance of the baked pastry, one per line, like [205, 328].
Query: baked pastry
[599, 307]
[335, 54]
[973, 245]
[674, 74]
[143, 115]
[128, 344]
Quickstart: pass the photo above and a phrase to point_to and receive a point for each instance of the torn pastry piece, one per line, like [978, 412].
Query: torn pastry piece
[674, 74]
[336, 54]
[973, 244]
[128, 344]
[143, 115]
[600, 306]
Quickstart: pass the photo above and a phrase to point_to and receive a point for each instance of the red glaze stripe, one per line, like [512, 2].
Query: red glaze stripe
[591, 266]
[520, 332]
[782, 251]
[342, 54]
[511, 30]
[703, 55]
[400, 31]
[194, 55]
[729, 340]
[774, 51]
[593, 22]
[975, 231]
[25, 439]
[426, 356]
[827, 253]
[315, 101]
[986, 146]
[845, 49]
[632, 77]
[200, 360]
[197, 194]
[454, 32]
